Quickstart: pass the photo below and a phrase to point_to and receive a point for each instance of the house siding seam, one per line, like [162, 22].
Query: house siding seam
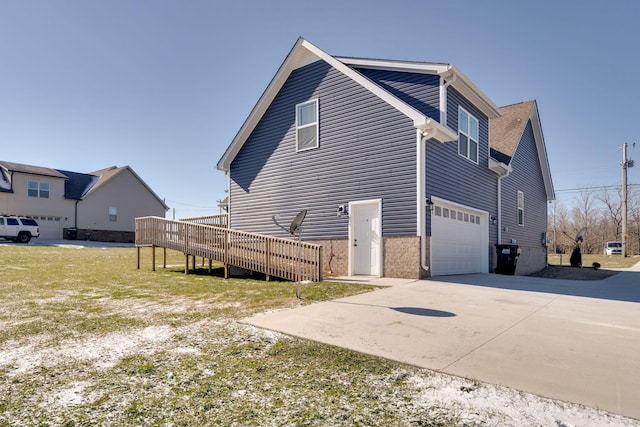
[367, 151]
[525, 177]
[421, 91]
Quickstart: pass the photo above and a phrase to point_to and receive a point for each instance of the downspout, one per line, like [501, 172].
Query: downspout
[443, 98]
[500, 178]
[421, 177]
[75, 216]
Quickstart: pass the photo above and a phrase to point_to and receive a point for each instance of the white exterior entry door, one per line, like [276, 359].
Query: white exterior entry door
[365, 238]
[459, 239]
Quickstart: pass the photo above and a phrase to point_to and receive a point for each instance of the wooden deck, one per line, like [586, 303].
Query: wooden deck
[208, 237]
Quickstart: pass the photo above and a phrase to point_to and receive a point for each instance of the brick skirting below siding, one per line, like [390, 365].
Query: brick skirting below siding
[99, 235]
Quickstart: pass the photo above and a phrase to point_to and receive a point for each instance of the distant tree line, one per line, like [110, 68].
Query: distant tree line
[599, 214]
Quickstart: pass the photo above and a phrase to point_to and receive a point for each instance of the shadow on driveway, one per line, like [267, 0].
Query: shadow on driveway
[415, 311]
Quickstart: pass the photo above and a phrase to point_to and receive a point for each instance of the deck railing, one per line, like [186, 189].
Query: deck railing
[272, 256]
[221, 220]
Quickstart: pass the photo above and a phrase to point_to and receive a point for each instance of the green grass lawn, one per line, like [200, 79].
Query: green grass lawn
[606, 261]
[88, 339]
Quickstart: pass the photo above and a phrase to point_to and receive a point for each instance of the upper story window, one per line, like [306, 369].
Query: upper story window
[38, 189]
[467, 135]
[113, 214]
[307, 125]
[520, 208]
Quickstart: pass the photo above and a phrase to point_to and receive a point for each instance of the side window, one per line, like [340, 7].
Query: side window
[113, 214]
[468, 135]
[44, 190]
[520, 208]
[1, 221]
[307, 125]
[38, 189]
[32, 188]
[12, 221]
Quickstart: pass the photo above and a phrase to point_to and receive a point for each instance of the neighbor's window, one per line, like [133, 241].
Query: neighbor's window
[113, 214]
[467, 135]
[520, 208]
[38, 189]
[307, 125]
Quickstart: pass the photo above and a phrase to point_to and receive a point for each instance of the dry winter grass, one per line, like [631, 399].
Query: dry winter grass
[87, 339]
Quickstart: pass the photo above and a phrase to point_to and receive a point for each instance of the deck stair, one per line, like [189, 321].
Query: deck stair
[210, 237]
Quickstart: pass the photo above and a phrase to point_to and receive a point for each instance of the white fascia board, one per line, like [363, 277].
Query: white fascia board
[446, 71]
[404, 66]
[387, 97]
[290, 63]
[534, 117]
[471, 92]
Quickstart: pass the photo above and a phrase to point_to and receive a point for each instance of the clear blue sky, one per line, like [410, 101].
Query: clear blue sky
[163, 86]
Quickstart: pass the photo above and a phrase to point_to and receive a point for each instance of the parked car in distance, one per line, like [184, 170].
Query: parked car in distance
[19, 229]
[613, 248]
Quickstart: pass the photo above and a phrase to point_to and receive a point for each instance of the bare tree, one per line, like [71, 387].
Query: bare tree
[584, 217]
[611, 202]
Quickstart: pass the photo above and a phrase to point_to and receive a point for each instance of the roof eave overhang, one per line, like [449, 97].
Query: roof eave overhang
[432, 129]
[499, 167]
[534, 117]
[470, 91]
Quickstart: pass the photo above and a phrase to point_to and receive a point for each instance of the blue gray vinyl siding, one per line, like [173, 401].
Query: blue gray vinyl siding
[421, 91]
[455, 178]
[367, 151]
[526, 177]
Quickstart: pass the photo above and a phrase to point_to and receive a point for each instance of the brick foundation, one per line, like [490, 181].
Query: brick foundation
[401, 257]
[531, 259]
[335, 254]
[100, 235]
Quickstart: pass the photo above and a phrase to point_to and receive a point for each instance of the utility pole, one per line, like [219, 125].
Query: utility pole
[625, 165]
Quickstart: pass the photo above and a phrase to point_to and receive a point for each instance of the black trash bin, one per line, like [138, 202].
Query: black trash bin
[72, 233]
[507, 259]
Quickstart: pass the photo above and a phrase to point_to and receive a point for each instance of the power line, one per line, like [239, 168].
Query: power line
[602, 187]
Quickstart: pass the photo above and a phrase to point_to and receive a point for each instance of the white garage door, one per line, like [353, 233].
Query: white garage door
[50, 227]
[459, 239]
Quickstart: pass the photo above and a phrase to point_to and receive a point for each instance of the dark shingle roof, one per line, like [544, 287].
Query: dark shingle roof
[77, 184]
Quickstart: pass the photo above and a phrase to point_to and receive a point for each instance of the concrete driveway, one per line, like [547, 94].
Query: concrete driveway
[577, 341]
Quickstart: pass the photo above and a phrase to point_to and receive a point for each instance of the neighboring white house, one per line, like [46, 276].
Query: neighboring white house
[100, 205]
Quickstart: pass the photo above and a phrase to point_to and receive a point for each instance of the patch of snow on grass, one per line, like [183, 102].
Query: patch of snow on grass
[474, 403]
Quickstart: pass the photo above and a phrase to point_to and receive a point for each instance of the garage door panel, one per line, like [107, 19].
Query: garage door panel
[458, 246]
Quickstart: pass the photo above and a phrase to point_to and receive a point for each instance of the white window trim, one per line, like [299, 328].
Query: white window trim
[39, 189]
[468, 157]
[520, 208]
[316, 124]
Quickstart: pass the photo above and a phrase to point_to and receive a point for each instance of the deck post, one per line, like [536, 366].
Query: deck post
[193, 262]
[153, 257]
[164, 258]
[210, 265]
[186, 263]
[320, 264]
[267, 261]
[226, 271]
[138, 248]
